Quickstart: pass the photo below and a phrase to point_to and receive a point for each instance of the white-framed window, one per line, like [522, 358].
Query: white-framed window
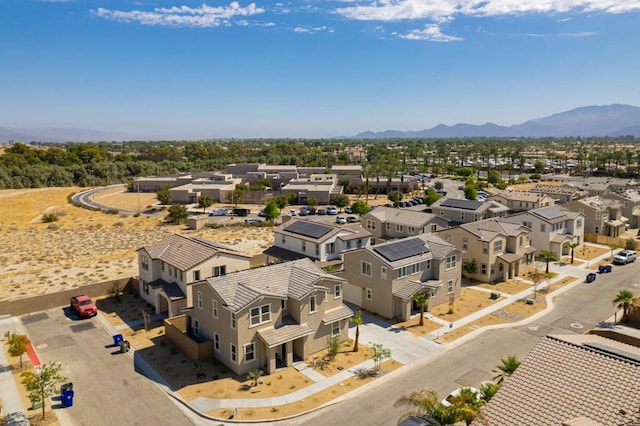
[348, 244]
[411, 230]
[449, 286]
[399, 228]
[369, 293]
[371, 224]
[483, 269]
[234, 353]
[283, 239]
[196, 275]
[216, 342]
[144, 261]
[521, 241]
[233, 320]
[250, 352]
[219, 271]
[145, 286]
[196, 327]
[304, 245]
[359, 243]
[337, 291]
[451, 262]
[260, 315]
[214, 308]
[428, 264]
[401, 272]
[465, 243]
[485, 247]
[388, 226]
[383, 272]
[414, 269]
[497, 246]
[200, 300]
[542, 227]
[330, 247]
[434, 228]
[335, 328]
[317, 249]
[365, 268]
[597, 215]
[313, 308]
[579, 223]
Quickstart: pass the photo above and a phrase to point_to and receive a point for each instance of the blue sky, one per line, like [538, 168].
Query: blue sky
[310, 68]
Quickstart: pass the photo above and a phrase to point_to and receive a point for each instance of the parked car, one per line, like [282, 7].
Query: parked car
[348, 210]
[332, 210]
[252, 221]
[262, 213]
[83, 305]
[312, 211]
[352, 219]
[624, 257]
[293, 212]
[304, 210]
[341, 220]
[218, 212]
[322, 212]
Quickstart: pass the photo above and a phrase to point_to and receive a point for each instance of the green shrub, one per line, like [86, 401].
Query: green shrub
[49, 217]
[631, 244]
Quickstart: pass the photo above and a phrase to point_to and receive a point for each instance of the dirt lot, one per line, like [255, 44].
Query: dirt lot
[83, 246]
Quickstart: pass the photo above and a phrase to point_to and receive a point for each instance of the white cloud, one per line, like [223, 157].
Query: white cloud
[429, 33]
[203, 16]
[311, 30]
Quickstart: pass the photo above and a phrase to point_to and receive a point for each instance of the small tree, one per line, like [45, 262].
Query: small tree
[271, 210]
[470, 192]
[177, 214]
[234, 197]
[360, 207]
[547, 256]
[470, 267]
[421, 300]
[395, 197]
[204, 201]
[164, 195]
[43, 382]
[115, 291]
[438, 185]
[340, 201]
[430, 196]
[281, 201]
[624, 300]
[333, 347]
[573, 248]
[630, 244]
[255, 375]
[17, 345]
[613, 247]
[357, 321]
[507, 368]
[380, 353]
[312, 202]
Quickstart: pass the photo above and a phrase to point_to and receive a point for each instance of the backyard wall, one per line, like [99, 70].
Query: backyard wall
[175, 328]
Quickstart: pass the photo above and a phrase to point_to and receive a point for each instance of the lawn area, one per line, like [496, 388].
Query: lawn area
[470, 300]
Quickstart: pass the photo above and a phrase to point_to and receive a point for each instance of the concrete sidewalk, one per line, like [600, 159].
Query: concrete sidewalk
[9, 394]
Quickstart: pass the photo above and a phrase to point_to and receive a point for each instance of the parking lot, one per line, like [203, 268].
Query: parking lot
[107, 388]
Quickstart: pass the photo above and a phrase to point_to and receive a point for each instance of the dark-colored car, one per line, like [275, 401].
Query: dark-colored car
[322, 212]
[352, 219]
[83, 305]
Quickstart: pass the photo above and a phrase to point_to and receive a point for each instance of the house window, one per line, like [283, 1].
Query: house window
[180, 275]
[233, 320]
[196, 328]
[485, 247]
[542, 227]
[260, 315]
[447, 238]
[145, 286]
[434, 228]
[200, 300]
[335, 328]
[441, 212]
[402, 272]
[283, 239]
[214, 309]
[331, 248]
[483, 269]
[461, 215]
[596, 229]
[348, 245]
[304, 245]
[411, 229]
[145, 263]
[196, 275]
[528, 224]
[451, 262]
[493, 268]
[399, 228]
[365, 268]
[465, 243]
[359, 243]
[371, 224]
[579, 223]
[317, 249]
[414, 269]
[521, 239]
[249, 352]
[428, 264]
[234, 353]
[369, 293]
[450, 287]
[383, 272]
[216, 342]
[597, 215]
[162, 266]
[388, 226]
[312, 304]
[337, 291]
[219, 271]
[497, 247]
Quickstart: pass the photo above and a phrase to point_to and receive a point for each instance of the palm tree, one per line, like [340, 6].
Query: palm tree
[506, 369]
[427, 402]
[624, 300]
[573, 247]
[255, 375]
[467, 404]
[489, 390]
[356, 320]
[547, 256]
[421, 300]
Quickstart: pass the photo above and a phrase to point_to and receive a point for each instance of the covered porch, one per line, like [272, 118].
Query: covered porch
[560, 244]
[403, 303]
[280, 341]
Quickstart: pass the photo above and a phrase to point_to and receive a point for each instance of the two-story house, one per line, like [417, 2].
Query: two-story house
[458, 211]
[269, 316]
[602, 216]
[521, 201]
[630, 205]
[298, 238]
[497, 249]
[552, 228]
[383, 278]
[387, 223]
[167, 268]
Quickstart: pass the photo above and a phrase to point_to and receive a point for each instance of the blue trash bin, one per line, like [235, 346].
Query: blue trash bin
[67, 398]
[117, 338]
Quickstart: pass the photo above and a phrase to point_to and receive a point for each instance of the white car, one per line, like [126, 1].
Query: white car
[341, 220]
[477, 392]
[293, 212]
[624, 257]
[332, 210]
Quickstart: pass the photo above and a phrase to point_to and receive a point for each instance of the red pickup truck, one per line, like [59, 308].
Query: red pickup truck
[84, 306]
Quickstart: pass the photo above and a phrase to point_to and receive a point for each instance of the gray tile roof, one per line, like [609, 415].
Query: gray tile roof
[295, 279]
[564, 378]
[184, 253]
[407, 289]
[488, 229]
[531, 197]
[462, 204]
[402, 216]
[173, 291]
[337, 314]
[273, 337]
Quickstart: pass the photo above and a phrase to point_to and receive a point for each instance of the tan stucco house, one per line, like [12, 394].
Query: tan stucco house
[458, 211]
[166, 269]
[383, 278]
[520, 201]
[388, 223]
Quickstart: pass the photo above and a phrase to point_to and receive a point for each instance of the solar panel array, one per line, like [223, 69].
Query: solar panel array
[550, 212]
[308, 229]
[401, 249]
[461, 204]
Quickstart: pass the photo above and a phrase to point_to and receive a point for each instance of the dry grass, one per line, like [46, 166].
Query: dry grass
[506, 287]
[470, 301]
[590, 252]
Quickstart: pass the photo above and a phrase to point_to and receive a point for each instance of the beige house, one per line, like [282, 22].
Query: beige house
[458, 211]
[387, 223]
[268, 317]
[630, 205]
[602, 216]
[168, 268]
[298, 238]
[500, 250]
[521, 201]
[383, 278]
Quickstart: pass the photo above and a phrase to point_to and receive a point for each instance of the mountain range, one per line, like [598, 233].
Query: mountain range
[606, 120]
[594, 120]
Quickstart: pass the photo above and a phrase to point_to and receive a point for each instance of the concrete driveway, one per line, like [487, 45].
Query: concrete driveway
[107, 389]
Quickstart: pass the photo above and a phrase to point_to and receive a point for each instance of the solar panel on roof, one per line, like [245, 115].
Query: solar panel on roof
[401, 249]
[461, 204]
[550, 212]
[308, 229]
